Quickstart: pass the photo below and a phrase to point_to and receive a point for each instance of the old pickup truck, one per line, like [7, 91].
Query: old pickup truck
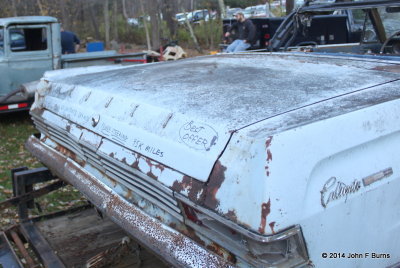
[31, 45]
[247, 160]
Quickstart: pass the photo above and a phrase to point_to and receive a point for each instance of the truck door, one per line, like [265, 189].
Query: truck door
[29, 52]
[4, 77]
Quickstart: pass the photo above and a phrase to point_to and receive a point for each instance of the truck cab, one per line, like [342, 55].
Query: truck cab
[29, 46]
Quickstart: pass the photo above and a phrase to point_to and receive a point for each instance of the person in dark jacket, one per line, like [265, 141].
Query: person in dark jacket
[70, 43]
[246, 34]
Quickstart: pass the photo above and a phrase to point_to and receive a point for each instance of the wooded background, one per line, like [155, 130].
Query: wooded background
[106, 20]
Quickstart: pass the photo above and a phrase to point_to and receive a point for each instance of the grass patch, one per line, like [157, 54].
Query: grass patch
[14, 131]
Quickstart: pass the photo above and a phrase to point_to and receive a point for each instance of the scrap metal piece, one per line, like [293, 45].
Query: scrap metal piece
[21, 247]
[8, 258]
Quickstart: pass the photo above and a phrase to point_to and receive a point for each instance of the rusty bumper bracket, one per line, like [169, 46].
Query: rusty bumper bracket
[170, 245]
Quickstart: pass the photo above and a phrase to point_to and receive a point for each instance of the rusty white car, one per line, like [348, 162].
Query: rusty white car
[235, 160]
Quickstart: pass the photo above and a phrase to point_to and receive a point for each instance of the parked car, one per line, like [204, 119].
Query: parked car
[181, 17]
[248, 12]
[262, 11]
[198, 15]
[230, 13]
[235, 160]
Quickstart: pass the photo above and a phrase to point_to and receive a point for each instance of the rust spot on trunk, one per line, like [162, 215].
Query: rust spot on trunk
[194, 188]
[135, 164]
[128, 194]
[265, 210]
[272, 225]
[388, 68]
[217, 177]
[231, 215]
[268, 142]
[269, 154]
[71, 155]
[154, 165]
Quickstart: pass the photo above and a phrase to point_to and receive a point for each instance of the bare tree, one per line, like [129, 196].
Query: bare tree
[289, 6]
[194, 38]
[170, 8]
[93, 20]
[106, 23]
[124, 12]
[222, 8]
[154, 11]
[146, 28]
[115, 20]
[42, 12]
[64, 15]
[14, 7]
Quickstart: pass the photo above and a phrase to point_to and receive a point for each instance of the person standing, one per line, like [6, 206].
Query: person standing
[246, 34]
[70, 43]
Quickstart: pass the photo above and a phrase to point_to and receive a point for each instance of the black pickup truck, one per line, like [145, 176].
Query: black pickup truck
[366, 27]
[325, 29]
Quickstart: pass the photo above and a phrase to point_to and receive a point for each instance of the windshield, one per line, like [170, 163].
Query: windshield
[1, 41]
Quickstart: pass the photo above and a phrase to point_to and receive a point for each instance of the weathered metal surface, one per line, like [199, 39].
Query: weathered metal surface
[27, 19]
[202, 119]
[172, 246]
[280, 141]
[299, 188]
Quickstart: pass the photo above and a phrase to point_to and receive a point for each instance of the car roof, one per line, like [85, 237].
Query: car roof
[26, 19]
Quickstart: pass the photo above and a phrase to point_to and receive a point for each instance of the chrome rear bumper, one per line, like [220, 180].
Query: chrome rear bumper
[170, 245]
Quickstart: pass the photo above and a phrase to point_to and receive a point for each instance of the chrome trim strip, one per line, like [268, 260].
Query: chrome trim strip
[247, 233]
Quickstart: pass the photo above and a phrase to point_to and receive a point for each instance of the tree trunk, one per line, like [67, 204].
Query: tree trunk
[106, 24]
[169, 11]
[289, 6]
[115, 20]
[222, 8]
[93, 20]
[14, 8]
[124, 10]
[42, 12]
[155, 25]
[194, 38]
[211, 29]
[64, 15]
[146, 29]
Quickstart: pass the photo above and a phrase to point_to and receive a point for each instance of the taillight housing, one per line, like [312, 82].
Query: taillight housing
[286, 248]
